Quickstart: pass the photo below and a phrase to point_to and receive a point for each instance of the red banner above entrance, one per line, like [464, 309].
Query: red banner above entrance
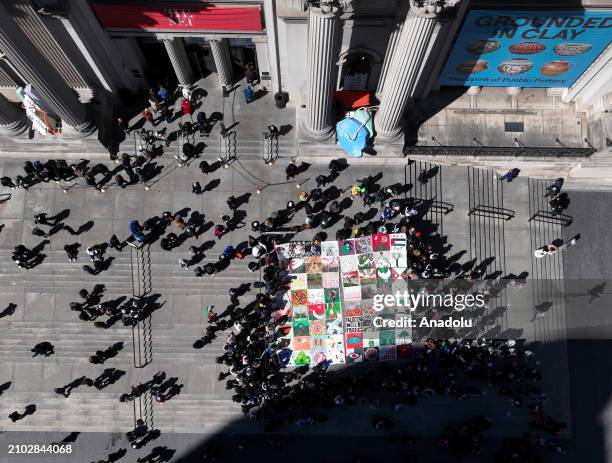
[179, 17]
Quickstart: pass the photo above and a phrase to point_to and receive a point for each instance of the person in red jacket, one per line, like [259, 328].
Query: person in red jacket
[147, 116]
[186, 106]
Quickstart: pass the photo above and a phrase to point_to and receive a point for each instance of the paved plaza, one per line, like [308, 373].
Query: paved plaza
[477, 217]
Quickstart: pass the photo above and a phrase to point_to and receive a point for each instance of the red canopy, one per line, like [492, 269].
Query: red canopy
[179, 17]
[353, 98]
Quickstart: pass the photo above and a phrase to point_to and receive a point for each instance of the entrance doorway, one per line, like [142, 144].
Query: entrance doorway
[243, 53]
[200, 57]
[356, 70]
[158, 65]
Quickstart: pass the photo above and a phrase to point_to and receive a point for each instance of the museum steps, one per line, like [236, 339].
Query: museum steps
[247, 147]
[100, 411]
[56, 274]
[75, 342]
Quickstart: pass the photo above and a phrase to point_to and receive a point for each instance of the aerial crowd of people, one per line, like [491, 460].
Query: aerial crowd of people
[464, 369]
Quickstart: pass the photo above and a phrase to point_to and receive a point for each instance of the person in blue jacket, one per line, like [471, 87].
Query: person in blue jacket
[136, 231]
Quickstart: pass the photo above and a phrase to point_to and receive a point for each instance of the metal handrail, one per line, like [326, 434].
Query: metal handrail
[492, 211]
[139, 289]
[516, 151]
[549, 217]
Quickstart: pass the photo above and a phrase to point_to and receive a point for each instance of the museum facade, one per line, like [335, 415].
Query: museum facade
[69, 58]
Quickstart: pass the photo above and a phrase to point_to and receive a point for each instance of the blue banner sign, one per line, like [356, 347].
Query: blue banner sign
[526, 48]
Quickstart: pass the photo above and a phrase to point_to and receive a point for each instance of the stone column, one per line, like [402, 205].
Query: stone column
[178, 58]
[12, 121]
[407, 61]
[323, 33]
[272, 34]
[223, 61]
[45, 80]
[400, 19]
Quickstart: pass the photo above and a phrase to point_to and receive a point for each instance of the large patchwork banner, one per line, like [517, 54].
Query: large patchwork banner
[330, 312]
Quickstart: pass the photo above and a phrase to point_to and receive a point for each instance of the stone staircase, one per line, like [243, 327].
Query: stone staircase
[56, 274]
[246, 148]
[75, 340]
[102, 412]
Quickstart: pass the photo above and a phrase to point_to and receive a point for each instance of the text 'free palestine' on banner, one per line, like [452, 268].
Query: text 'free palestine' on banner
[526, 48]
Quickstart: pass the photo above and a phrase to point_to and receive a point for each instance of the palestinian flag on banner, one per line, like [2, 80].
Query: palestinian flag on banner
[398, 240]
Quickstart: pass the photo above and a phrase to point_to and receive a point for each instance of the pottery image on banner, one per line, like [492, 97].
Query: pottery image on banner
[527, 48]
[482, 47]
[514, 66]
[555, 68]
[572, 49]
[317, 342]
[473, 66]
